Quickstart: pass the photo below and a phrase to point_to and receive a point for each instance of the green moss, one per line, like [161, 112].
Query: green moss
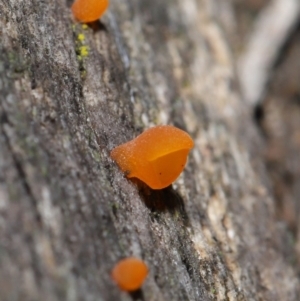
[44, 170]
[13, 192]
[96, 156]
[17, 65]
[34, 111]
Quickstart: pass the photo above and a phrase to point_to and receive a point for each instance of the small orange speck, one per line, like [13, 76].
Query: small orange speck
[130, 273]
[157, 156]
[89, 10]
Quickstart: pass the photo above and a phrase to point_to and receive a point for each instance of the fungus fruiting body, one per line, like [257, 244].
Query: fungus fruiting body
[89, 10]
[130, 273]
[157, 156]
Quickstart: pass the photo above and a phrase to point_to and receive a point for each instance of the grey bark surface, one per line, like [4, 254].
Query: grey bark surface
[68, 95]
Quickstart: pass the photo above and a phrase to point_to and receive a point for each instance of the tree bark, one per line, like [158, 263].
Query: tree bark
[69, 94]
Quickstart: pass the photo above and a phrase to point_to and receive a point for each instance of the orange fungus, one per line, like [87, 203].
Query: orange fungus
[157, 156]
[130, 273]
[89, 10]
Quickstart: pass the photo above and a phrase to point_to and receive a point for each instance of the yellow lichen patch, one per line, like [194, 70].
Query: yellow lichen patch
[83, 51]
[81, 47]
[81, 37]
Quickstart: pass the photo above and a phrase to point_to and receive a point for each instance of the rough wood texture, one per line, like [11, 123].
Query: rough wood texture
[68, 214]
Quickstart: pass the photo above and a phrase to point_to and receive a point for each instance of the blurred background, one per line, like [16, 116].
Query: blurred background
[267, 44]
